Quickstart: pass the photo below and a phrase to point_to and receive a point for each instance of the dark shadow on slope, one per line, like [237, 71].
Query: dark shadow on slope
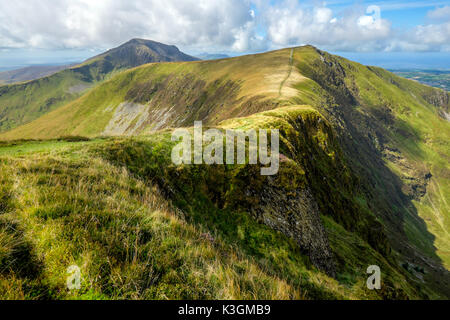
[19, 260]
[365, 138]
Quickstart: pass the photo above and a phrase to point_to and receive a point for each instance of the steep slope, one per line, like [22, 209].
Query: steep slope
[102, 205]
[158, 96]
[22, 103]
[368, 152]
[403, 124]
[396, 136]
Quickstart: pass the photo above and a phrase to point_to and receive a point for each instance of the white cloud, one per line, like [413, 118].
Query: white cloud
[85, 23]
[434, 36]
[289, 24]
[440, 14]
[212, 25]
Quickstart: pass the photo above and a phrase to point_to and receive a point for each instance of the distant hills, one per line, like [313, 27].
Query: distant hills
[46, 94]
[212, 56]
[434, 78]
[139, 51]
[29, 73]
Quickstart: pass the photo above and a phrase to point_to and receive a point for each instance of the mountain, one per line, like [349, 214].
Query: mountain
[139, 51]
[46, 94]
[28, 73]
[363, 180]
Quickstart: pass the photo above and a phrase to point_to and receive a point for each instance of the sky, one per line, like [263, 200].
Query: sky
[392, 34]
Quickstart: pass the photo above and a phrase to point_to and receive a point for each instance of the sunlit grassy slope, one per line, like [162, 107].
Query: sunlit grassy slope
[174, 94]
[66, 207]
[372, 149]
[101, 205]
[24, 102]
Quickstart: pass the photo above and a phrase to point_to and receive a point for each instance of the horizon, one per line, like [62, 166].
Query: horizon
[439, 61]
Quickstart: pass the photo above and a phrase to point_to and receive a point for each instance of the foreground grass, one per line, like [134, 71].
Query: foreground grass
[128, 241]
[65, 205]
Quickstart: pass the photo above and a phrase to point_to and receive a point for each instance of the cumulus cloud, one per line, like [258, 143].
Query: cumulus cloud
[212, 25]
[86, 23]
[440, 14]
[434, 36]
[289, 24]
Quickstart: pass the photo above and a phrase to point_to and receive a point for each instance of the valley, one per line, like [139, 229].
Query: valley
[434, 78]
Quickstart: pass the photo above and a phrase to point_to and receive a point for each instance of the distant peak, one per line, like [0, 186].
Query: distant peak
[138, 40]
[145, 41]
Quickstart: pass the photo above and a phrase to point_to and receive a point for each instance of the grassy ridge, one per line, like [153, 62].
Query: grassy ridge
[22, 103]
[97, 204]
[378, 157]
[25, 102]
[177, 93]
[66, 207]
[402, 120]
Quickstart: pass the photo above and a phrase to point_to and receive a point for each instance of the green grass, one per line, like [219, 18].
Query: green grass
[24, 102]
[370, 146]
[128, 241]
[102, 205]
[67, 206]
[214, 90]
[403, 113]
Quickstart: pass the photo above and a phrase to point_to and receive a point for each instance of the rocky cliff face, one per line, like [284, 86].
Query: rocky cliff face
[312, 181]
[296, 215]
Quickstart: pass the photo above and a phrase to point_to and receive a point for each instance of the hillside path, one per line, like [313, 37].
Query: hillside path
[291, 64]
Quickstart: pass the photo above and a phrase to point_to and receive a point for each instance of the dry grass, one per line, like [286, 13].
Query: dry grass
[128, 241]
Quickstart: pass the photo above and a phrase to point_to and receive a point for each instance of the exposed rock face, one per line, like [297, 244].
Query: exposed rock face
[296, 215]
[446, 115]
[126, 114]
[441, 100]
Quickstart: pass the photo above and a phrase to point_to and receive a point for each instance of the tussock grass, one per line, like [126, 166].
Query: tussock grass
[389, 129]
[129, 242]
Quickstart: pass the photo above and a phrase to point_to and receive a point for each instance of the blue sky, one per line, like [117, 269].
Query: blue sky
[392, 34]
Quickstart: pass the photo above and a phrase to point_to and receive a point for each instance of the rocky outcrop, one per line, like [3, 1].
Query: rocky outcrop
[441, 100]
[296, 215]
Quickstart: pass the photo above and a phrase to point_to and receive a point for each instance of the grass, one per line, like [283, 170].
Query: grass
[214, 90]
[128, 241]
[24, 102]
[406, 116]
[102, 205]
[370, 146]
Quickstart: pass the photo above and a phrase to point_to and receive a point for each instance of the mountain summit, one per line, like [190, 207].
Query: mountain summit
[140, 51]
[48, 93]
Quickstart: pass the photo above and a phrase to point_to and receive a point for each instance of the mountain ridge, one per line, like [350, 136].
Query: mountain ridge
[136, 52]
[52, 91]
[365, 150]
